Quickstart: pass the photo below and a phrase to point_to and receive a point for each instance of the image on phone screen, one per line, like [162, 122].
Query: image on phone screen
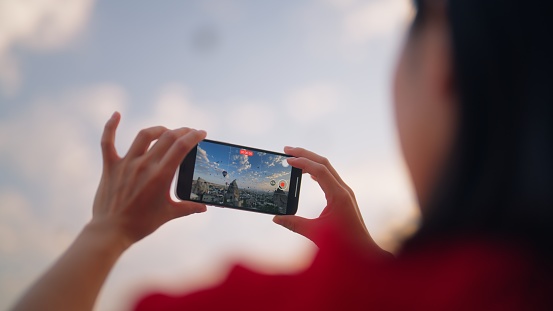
[239, 177]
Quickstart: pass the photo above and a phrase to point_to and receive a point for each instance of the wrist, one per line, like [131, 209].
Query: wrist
[106, 236]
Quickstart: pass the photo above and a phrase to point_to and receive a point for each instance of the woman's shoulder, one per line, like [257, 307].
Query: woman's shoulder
[473, 272]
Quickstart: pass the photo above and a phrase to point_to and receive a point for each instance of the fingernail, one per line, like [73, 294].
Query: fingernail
[203, 132]
[113, 114]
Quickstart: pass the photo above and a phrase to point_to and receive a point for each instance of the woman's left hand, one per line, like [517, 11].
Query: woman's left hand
[341, 211]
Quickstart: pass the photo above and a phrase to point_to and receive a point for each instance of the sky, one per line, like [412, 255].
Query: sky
[221, 164]
[311, 73]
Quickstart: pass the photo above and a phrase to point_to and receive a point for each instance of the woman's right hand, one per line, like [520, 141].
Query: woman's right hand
[341, 210]
[133, 196]
[132, 201]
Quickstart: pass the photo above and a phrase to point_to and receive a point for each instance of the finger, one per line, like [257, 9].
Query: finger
[109, 154]
[297, 224]
[185, 208]
[304, 153]
[165, 141]
[331, 194]
[143, 140]
[331, 187]
[179, 149]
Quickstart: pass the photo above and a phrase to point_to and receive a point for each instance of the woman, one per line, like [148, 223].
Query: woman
[474, 110]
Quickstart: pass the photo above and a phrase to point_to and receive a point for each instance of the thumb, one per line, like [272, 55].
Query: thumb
[296, 224]
[185, 208]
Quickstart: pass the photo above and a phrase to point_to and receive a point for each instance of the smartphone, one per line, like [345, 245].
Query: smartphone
[228, 175]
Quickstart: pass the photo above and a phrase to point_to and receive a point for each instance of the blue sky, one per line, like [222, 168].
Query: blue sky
[253, 172]
[310, 73]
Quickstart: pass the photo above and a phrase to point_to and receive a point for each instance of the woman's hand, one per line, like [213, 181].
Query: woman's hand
[341, 210]
[132, 201]
[133, 196]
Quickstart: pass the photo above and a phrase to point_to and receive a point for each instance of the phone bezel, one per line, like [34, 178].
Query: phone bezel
[185, 178]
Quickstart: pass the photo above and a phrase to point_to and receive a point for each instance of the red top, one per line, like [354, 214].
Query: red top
[465, 274]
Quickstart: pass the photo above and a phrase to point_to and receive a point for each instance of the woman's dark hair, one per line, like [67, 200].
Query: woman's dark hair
[499, 178]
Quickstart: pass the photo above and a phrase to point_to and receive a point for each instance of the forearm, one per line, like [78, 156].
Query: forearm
[74, 281]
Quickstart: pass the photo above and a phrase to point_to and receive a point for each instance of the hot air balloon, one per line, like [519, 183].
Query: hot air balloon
[225, 173]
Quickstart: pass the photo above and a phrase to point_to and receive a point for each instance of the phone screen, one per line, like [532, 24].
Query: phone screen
[228, 175]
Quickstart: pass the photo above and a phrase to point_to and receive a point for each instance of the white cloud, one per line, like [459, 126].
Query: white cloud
[277, 175]
[345, 28]
[341, 4]
[174, 109]
[15, 208]
[51, 148]
[223, 9]
[39, 25]
[313, 102]
[242, 161]
[251, 118]
[202, 154]
[376, 18]
[10, 77]
[274, 160]
[59, 128]
[98, 102]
